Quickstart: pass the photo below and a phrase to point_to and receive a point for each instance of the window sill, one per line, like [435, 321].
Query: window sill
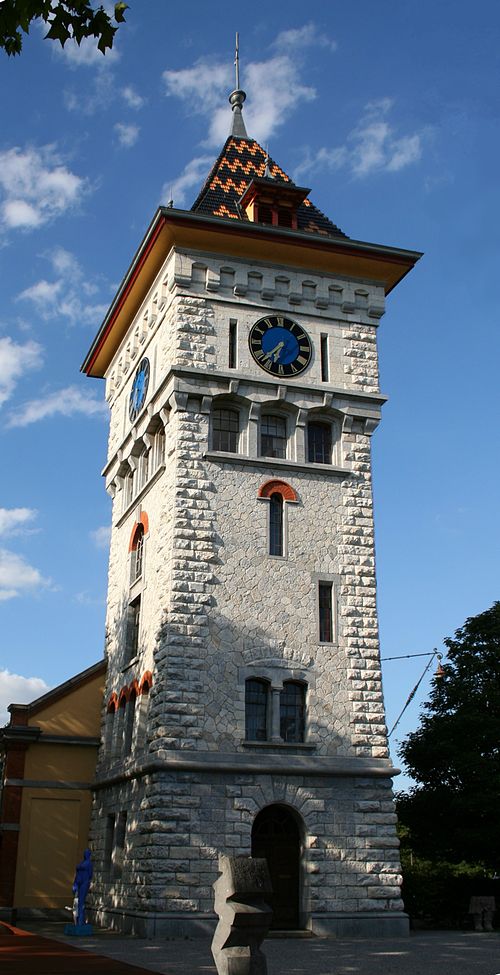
[303, 746]
[130, 663]
[275, 463]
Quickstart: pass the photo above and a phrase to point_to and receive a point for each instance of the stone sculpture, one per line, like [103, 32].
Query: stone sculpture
[242, 895]
[482, 910]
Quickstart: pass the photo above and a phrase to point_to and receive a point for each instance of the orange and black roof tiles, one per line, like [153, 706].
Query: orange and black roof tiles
[240, 161]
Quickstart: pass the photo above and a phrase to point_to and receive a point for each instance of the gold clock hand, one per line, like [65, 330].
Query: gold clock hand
[274, 354]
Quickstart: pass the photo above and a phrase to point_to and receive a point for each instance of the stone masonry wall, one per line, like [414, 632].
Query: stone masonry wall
[179, 823]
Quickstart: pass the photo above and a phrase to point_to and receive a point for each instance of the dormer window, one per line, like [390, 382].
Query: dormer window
[273, 202]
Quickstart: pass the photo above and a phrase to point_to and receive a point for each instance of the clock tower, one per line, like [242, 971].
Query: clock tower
[244, 711]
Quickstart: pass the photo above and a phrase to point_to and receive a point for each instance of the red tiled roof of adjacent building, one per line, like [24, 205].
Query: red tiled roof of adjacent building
[240, 161]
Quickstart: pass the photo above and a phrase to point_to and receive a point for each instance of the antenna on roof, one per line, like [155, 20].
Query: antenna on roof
[237, 61]
[236, 99]
[267, 172]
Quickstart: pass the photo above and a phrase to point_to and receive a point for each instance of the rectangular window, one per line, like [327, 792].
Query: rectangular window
[132, 629]
[109, 842]
[325, 600]
[119, 845]
[325, 373]
[273, 437]
[233, 343]
[225, 430]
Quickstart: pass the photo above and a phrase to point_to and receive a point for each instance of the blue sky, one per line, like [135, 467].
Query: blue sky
[389, 111]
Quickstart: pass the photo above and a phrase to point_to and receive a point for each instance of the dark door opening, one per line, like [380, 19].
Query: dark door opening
[275, 836]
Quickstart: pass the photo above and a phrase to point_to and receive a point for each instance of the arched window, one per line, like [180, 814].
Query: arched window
[137, 554]
[273, 436]
[256, 710]
[276, 524]
[319, 443]
[225, 430]
[142, 717]
[292, 711]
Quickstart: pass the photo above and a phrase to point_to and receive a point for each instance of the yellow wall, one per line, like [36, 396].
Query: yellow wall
[78, 712]
[53, 835]
[55, 822]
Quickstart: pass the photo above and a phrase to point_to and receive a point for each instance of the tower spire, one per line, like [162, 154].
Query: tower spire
[236, 99]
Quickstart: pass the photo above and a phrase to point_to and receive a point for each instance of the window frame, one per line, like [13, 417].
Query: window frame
[325, 425]
[265, 417]
[302, 707]
[228, 409]
[266, 688]
[331, 609]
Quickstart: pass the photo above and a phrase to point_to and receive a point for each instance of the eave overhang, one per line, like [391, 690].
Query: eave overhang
[356, 259]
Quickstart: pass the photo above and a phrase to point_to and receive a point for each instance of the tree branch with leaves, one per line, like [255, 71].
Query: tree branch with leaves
[66, 20]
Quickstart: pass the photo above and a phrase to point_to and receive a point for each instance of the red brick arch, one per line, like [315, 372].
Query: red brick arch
[144, 521]
[146, 682]
[112, 703]
[277, 487]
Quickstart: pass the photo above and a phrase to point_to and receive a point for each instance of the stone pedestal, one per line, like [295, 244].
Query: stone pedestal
[241, 893]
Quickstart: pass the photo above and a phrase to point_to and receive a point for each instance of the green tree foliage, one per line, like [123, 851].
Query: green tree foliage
[66, 19]
[454, 756]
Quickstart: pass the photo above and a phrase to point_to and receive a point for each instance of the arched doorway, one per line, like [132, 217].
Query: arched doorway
[276, 837]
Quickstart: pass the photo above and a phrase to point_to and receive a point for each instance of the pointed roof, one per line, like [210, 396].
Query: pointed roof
[240, 161]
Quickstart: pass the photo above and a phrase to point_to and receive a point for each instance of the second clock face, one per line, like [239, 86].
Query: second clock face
[139, 389]
[280, 346]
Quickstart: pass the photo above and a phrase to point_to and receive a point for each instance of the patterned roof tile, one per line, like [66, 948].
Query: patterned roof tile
[240, 161]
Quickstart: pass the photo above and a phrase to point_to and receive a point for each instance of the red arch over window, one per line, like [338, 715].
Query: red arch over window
[277, 487]
[134, 688]
[112, 703]
[144, 521]
[146, 683]
[123, 698]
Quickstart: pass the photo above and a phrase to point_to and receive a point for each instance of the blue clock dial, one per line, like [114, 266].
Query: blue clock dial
[139, 389]
[280, 346]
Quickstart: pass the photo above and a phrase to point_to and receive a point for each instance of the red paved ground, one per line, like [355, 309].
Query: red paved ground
[23, 953]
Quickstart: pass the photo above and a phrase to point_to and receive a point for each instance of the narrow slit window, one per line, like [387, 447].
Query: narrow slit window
[276, 525]
[325, 373]
[325, 599]
[233, 343]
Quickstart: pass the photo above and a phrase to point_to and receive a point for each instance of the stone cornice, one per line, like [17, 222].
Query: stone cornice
[278, 764]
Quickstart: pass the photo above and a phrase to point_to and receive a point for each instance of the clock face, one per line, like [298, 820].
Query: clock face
[139, 389]
[280, 346]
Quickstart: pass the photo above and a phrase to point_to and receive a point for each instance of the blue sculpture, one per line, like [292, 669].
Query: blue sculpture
[81, 885]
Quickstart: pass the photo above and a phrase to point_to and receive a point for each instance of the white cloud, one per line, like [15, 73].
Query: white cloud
[35, 187]
[127, 134]
[12, 519]
[300, 37]
[63, 297]
[86, 54]
[15, 361]
[17, 575]
[192, 175]
[101, 537]
[70, 401]
[372, 146]
[132, 97]
[274, 87]
[15, 689]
